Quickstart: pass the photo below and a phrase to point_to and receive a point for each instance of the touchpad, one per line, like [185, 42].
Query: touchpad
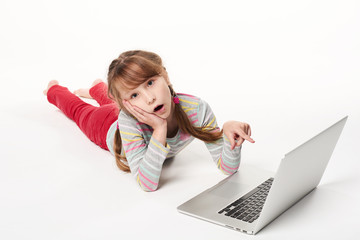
[228, 189]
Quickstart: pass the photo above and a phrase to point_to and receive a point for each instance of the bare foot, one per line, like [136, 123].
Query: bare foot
[50, 84]
[96, 82]
[84, 92]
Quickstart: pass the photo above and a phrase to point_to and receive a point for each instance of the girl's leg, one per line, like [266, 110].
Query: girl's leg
[99, 93]
[93, 121]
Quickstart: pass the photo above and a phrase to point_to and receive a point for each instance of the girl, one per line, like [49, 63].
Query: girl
[154, 122]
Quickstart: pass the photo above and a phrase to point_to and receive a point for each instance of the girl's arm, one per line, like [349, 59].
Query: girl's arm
[224, 152]
[225, 158]
[145, 158]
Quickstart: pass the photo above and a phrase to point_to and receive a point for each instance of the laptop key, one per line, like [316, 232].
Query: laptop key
[248, 207]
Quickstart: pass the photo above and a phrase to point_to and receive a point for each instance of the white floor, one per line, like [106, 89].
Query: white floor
[290, 70]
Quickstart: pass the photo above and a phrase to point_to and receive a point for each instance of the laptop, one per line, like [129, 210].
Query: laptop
[249, 200]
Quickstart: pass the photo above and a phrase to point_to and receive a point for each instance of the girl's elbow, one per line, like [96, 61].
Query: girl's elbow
[146, 184]
[147, 188]
[229, 170]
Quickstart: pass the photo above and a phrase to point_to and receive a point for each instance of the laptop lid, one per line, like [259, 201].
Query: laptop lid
[300, 171]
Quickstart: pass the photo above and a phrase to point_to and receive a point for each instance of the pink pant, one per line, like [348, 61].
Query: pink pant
[93, 121]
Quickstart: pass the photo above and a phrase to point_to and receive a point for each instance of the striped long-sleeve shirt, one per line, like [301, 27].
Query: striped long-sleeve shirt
[146, 155]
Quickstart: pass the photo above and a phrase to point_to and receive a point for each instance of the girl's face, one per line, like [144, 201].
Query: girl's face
[152, 96]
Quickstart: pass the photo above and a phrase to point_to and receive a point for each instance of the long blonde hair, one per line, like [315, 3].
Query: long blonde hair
[133, 68]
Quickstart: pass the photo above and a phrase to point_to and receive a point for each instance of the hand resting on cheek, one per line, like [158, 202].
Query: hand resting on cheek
[150, 119]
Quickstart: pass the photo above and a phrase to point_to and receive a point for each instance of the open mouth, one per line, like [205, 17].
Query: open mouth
[158, 107]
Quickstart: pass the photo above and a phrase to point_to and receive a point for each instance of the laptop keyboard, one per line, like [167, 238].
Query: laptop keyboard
[248, 207]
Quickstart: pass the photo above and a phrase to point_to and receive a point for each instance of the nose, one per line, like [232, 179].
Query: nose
[150, 98]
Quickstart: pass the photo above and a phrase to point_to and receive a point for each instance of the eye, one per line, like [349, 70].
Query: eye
[133, 95]
[151, 82]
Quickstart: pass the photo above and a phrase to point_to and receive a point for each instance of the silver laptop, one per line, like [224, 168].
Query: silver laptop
[249, 200]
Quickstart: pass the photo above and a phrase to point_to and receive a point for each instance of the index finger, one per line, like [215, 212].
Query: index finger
[246, 137]
[131, 109]
[127, 105]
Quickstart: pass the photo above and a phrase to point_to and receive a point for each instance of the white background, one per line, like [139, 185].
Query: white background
[289, 68]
